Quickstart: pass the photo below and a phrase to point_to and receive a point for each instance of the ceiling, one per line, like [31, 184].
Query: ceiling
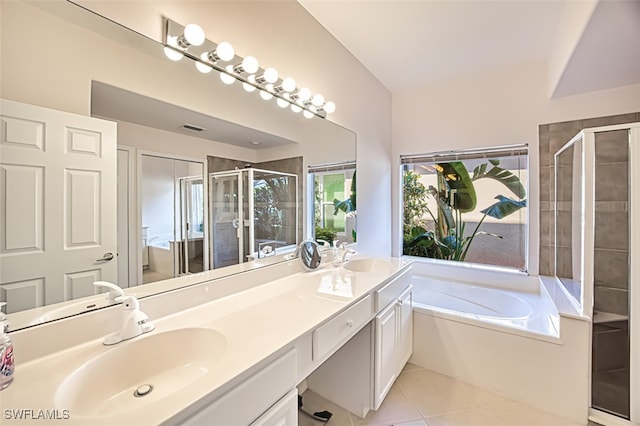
[118, 104]
[412, 43]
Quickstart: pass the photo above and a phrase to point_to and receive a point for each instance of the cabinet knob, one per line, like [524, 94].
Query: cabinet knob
[400, 302]
[349, 323]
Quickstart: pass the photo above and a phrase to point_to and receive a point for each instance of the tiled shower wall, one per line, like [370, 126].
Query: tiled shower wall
[611, 256]
[552, 137]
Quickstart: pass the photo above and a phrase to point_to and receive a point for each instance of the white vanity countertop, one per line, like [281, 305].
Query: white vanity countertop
[256, 324]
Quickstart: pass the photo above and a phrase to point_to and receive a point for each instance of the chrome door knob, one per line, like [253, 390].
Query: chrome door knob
[105, 258]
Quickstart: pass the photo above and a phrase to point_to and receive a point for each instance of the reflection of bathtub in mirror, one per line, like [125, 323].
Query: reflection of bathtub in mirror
[166, 257]
[161, 260]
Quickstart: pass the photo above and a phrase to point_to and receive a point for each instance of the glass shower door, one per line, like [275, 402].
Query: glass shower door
[596, 244]
[226, 218]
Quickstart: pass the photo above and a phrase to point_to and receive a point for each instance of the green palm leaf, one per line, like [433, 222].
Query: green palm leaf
[503, 176]
[459, 184]
[504, 207]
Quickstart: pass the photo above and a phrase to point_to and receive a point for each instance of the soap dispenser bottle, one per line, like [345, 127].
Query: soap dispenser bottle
[6, 352]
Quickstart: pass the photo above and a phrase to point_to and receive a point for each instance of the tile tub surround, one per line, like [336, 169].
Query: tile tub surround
[256, 323]
[551, 138]
[422, 397]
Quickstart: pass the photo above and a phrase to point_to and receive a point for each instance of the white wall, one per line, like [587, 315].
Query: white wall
[157, 196]
[279, 33]
[499, 108]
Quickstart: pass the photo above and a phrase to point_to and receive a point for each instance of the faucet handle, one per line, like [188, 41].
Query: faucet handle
[115, 292]
[129, 303]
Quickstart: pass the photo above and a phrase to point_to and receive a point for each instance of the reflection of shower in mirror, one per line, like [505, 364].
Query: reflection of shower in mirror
[254, 213]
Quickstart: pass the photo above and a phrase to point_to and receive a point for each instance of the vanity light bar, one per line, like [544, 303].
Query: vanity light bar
[189, 41]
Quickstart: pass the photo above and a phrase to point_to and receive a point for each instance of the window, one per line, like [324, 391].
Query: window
[334, 206]
[467, 206]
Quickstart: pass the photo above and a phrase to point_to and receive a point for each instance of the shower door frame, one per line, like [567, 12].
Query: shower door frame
[237, 174]
[634, 272]
[588, 163]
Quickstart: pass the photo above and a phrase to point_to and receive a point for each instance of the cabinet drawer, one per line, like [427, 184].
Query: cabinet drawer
[337, 330]
[392, 290]
[246, 402]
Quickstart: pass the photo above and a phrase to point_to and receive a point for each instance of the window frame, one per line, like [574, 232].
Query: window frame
[461, 155]
[312, 171]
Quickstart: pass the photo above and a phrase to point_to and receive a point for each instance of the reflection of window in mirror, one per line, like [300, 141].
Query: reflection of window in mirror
[334, 205]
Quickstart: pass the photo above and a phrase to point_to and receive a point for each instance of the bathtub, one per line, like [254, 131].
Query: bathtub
[162, 258]
[520, 312]
[501, 332]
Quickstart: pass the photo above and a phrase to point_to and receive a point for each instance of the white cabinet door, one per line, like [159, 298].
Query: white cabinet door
[385, 354]
[283, 413]
[404, 308]
[57, 204]
[394, 344]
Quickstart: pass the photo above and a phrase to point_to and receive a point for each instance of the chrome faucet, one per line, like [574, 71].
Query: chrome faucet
[345, 252]
[134, 321]
[340, 252]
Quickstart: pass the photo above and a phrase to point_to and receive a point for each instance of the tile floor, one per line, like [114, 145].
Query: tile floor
[423, 397]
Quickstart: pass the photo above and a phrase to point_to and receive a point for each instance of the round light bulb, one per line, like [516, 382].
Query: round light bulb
[172, 54]
[295, 108]
[282, 103]
[194, 34]
[226, 78]
[250, 65]
[304, 94]
[270, 75]
[248, 87]
[225, 51]
[203, 68]
[265, 95]
[307, 114]
[289, 84]
[318, 100]
[330, 107]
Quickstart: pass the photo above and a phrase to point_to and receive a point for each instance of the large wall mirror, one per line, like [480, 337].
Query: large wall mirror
[211, 180]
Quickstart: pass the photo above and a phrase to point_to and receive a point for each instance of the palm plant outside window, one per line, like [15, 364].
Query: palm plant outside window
[467, 206]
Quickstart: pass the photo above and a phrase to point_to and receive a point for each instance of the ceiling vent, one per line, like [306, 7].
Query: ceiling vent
[193, 128]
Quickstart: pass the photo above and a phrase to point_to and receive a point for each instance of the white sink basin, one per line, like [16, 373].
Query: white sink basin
[167, 362]
[368, 265]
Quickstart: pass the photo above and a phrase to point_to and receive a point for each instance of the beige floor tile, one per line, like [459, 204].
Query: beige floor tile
[524, 415]
[435, 394]
[395, 409]
[470, 418]
[487, 398]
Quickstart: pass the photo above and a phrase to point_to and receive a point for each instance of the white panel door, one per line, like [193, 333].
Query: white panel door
[57, 205]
